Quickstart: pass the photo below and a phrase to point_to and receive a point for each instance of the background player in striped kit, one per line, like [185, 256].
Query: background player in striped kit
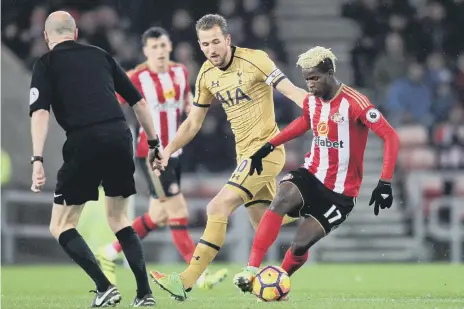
[324, 190]
[164, 85]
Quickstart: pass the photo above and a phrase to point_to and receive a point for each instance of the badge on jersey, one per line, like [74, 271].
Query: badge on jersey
[33, 95]
[373, 115]
[337, 118]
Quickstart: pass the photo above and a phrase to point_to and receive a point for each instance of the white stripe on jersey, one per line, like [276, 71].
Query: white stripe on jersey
[323, 151]
[312, 111]
[343, 153]
[149, 91]
[180, 78]
[171, 106]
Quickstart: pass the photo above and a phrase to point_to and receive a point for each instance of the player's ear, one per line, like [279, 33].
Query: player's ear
[169, 46]
[228, 40]
[76, 34]
[45, 36]
[331, 72]
[145, 51]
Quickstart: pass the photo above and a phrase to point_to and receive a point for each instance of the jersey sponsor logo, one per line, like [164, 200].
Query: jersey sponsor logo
[33, 95]
[325, 142]
[169, 94]
[323, 128]
[373, 115]
[337, 118]
[233, 98]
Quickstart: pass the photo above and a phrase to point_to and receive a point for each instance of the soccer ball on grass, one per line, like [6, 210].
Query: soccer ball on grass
[272, 283]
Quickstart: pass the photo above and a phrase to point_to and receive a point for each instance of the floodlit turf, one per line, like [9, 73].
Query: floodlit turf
[314, 286]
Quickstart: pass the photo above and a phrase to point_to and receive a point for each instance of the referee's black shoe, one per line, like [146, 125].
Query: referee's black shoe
[107, 298]
[146, 301]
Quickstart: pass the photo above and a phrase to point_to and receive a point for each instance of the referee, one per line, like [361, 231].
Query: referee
[79, 83]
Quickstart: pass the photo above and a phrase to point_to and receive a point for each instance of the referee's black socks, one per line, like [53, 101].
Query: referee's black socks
[132, 248]
[78, 250]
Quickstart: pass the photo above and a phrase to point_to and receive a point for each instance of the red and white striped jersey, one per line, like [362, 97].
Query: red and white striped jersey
[166, 93]
[340, 128]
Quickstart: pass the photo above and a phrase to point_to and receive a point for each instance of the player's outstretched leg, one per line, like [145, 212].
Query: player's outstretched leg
[63, 227]
[155, 218]
[218, 211]
[288, 198]
[131, 245]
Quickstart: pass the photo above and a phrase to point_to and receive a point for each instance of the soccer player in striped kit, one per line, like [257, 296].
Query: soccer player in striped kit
[323, 191]
[165, 86]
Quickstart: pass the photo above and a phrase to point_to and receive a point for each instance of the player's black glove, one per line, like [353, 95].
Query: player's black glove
[153, 150]
[382, 196]
[257, 158]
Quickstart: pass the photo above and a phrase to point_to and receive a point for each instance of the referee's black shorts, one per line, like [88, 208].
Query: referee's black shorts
[99, 154]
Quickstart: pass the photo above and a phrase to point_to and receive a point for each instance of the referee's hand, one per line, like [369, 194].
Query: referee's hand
[38, 176]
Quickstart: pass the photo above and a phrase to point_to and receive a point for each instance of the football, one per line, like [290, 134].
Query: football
[272, 283]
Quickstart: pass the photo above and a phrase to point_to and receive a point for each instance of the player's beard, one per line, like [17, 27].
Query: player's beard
[222, 61]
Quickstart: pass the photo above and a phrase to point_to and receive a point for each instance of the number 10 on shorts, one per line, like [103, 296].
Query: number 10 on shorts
[334, 216]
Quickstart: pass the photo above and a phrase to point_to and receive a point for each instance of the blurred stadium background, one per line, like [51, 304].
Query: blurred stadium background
[406, 55]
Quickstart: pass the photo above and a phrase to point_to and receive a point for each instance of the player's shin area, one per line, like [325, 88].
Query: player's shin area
[218, 211]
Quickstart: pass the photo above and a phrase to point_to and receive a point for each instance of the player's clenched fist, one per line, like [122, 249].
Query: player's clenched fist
[382, 196]
[257, 158]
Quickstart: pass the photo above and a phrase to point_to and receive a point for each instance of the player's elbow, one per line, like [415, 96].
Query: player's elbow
[41, 113]
[392, 138]
[395, 139]
[194, 126]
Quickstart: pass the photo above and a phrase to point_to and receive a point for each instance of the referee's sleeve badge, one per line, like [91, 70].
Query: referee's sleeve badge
[33, 95]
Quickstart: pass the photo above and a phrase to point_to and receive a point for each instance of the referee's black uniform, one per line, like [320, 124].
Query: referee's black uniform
[79, 83]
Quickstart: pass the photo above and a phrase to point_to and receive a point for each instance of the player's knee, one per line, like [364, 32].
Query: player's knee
[158, 216]
[55, 230]
[176, 207]
[64, 218]
[298, 249]
[288, 197]
[224, 203]
[215, 208]
[302, 244]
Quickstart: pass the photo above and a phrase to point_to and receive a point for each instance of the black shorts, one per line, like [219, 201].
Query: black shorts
[167, 184]
[330, 209]
[93, 156]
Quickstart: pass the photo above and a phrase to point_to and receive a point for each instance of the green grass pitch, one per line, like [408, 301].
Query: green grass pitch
[386, 286]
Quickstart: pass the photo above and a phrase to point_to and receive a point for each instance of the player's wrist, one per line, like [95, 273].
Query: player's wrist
[269, 147]
[36, 159]
[385, 181]
[153, 143]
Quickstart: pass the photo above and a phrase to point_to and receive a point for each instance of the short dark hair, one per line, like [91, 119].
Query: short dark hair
[326, 65]
[211, 20]
[153, 32]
